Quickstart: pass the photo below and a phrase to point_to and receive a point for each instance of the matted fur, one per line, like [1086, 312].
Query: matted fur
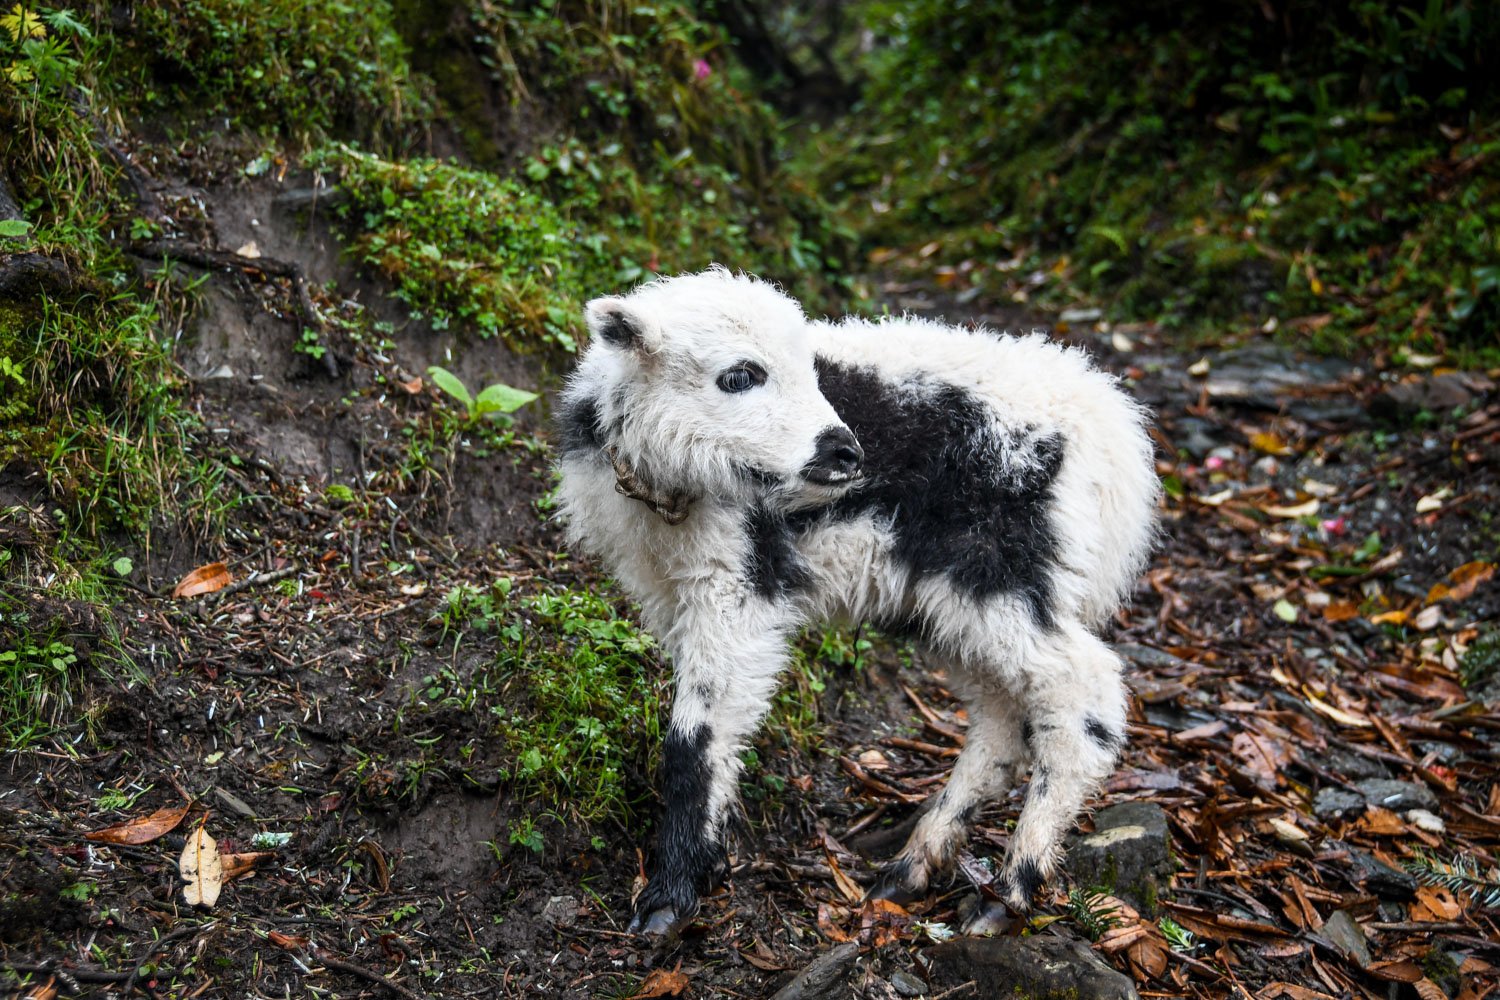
[1005, 504]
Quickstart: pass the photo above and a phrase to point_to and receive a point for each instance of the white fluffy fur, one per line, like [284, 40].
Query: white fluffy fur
[659, 406]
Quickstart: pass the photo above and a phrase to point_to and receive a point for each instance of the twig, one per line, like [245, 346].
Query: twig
[178, 934]
[252, 580]
[368, 975]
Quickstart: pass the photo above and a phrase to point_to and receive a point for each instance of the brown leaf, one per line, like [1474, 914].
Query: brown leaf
[1429, 990]
[291, 942]
[43, 991]
[142, 830]
[1467, 577]
[1262, 756]
[236, 865]
[663, 983]
[1402, 971]
[1435, 904]
[1340, 611]
[829, 917]
[203, 580]
[847, 887]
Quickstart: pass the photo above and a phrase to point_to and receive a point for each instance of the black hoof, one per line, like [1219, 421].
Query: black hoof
[893, 892]
[989, 918]
[661, 922]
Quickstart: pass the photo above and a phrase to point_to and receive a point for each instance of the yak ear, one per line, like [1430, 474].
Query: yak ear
[613, 320]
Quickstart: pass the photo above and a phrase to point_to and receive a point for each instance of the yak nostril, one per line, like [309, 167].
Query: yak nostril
[848, 456]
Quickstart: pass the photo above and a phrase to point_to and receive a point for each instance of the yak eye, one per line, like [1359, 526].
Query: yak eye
[742, 377]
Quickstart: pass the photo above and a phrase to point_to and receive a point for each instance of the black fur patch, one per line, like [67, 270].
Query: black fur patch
[1106, 738]
[578, 427]
[1039, 779]
[619, 329]
[1025, 877]
[931, 456]
[688, 861]
[1028, 736]
[773, 565]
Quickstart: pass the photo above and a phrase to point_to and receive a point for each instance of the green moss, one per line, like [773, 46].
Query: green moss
[467, 245]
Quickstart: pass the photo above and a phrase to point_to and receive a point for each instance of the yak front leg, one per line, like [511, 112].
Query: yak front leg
[721, 696]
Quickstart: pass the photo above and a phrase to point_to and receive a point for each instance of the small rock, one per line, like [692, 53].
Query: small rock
[1424, 820]
[561, 911]
[1353, 766]
[223, 371]
[1348, 937]
[1377, 877]
[1129, 852]
[1336, 803]
[907, 984]
[1437, 394]
[826, 976]
[1397, 796]
[1041, 967]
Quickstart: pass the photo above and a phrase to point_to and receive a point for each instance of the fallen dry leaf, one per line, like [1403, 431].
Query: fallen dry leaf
[201, 868]
[663, 983]
[1262, 756]
[236, 865]
[43, 991]
[203, 580]
[291, 942]
[847, 887]
[1304, 509]
[1271, 444]
[142, 830]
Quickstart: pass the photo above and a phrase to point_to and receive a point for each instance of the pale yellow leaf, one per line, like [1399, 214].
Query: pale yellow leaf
[201, 868]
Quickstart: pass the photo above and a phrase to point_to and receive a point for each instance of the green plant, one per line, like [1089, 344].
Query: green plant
[1481, 661]
[1092, 911]
[36, 680]
[1179, 938]
[523, 833]
[580, 703]
[498, 399]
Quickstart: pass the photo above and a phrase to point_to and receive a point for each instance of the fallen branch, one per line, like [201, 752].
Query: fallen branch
[224, 260]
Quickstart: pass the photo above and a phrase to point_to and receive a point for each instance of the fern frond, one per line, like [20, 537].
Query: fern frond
[1092, 911]
[1461, 876]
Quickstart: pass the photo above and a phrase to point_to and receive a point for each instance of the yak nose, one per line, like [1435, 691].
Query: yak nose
[836, 457]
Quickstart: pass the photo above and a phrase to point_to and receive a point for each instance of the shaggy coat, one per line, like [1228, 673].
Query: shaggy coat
[744, 472]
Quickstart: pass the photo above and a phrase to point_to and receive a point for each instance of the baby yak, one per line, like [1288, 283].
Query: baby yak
[744, 472]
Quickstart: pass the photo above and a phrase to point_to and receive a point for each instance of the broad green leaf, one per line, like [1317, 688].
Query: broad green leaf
[122, 566]
[449, 383]
[14, 227]
[501, 398]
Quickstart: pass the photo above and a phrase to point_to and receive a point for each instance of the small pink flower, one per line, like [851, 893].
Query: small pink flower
[701, 69]
[1213, 462]
[1334, 526]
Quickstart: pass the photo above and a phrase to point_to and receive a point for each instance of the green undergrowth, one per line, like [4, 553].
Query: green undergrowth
[466, 246]
[578, 696]
[1333, 167]
[90, 408]
[299, 68]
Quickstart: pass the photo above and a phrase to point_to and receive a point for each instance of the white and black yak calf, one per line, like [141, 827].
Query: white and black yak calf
[743, 472]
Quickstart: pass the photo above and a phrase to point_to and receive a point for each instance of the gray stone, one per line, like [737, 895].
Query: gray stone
[1260, 373]
[1397, 796]
[1348, 937]
[1336, 803]
[1129, 853]
[1437, 394]
[826, 976]
[561, 911]
[1353, 765]
[1377, 877]
[907, 984]
[1041, 967]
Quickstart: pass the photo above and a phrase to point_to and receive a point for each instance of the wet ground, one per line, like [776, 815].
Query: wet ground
[1314, 620]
